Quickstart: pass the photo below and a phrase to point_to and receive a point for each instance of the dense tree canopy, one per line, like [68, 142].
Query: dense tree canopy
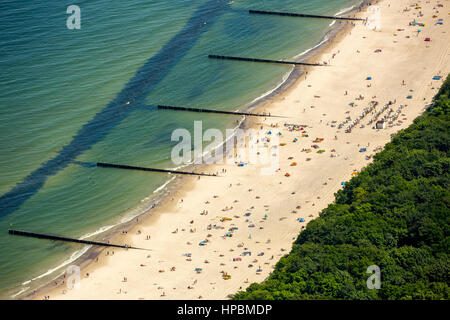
[394, 214]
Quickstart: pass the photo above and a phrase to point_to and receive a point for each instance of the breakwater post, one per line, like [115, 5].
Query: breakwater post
[214, 56]
[216, 111]
[121, 166]
[301, 15]
[58, 238]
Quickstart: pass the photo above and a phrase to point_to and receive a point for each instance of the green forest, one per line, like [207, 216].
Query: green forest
[394, 214]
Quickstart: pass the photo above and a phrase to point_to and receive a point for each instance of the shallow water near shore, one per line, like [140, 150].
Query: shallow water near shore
[55, 81]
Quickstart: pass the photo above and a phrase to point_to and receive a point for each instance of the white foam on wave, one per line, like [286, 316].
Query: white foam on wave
[133, 214]
[163, 186]
[325, 39]
[344, 11]
[202, 156]
[228, 139]
[21, 291]
[340, 13]
[72, 258]
[285, 78]
[101, 230]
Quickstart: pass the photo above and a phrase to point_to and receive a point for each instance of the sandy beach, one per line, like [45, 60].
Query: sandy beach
[265, 213]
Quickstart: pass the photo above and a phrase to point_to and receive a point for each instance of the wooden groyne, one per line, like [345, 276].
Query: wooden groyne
[57, 238]
[301, 15]
[121, 166]
[217, 111]
[213, 56]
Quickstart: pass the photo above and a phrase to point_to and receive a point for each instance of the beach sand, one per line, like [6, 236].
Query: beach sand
[316, 100]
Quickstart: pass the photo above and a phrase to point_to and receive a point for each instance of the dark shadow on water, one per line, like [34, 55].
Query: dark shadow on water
[133, 94]
[147, 107]
[85, 164]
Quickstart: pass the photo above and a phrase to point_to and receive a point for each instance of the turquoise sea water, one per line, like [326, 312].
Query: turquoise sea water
[69, 98]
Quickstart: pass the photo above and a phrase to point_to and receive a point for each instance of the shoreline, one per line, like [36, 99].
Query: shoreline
[335, 33]
[147, 218]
